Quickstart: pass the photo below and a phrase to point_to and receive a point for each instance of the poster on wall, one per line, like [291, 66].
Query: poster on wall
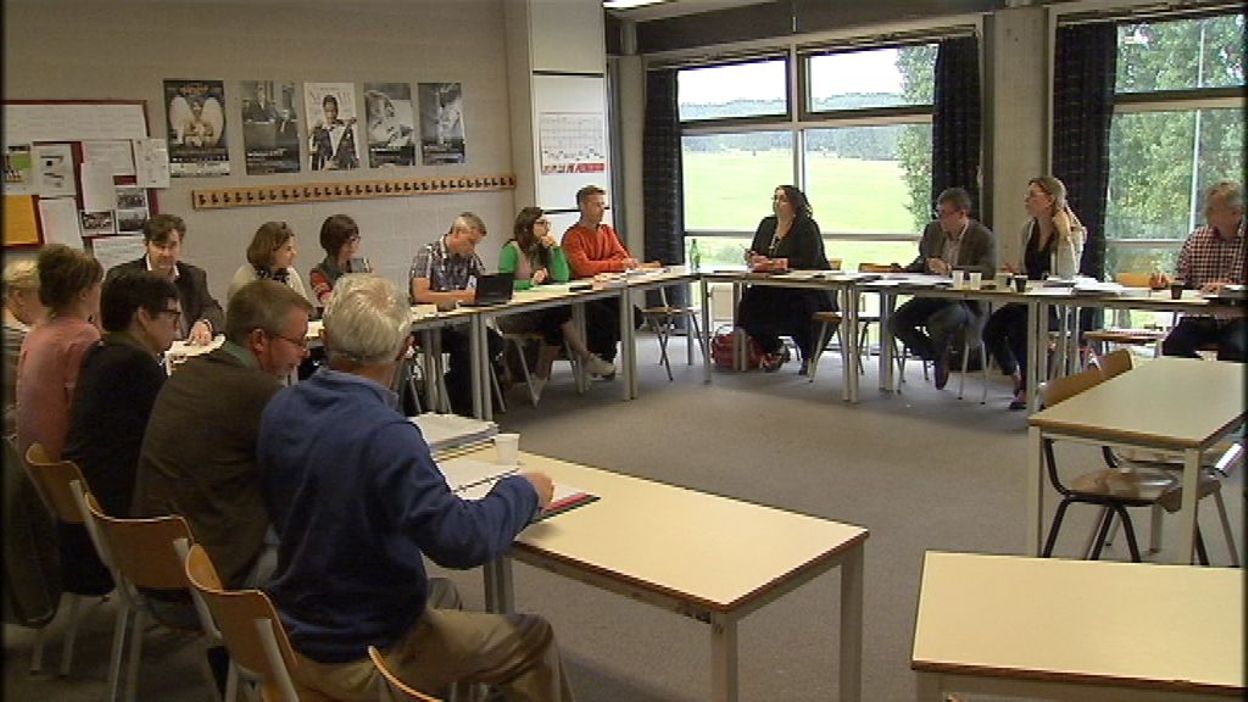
[441, 123]
[333, 132]
[196, 135]
[54, 170]
[19, 170]
[572, 142]
[391, 124]
[270, 129]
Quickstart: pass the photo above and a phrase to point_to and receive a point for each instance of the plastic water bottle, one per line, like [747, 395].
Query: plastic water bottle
[695, 256]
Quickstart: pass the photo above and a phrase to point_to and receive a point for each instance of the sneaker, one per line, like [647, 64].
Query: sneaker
[771, 362]
[1020, 400]
[940, 369]
[598, 367]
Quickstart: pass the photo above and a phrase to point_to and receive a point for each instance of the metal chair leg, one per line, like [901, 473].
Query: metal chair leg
[1106, 513]
[1129, 530]
[1100, 541]
[1202, 556]
[67, 648]
[498, 389]
[36, 656]
[813, 364]
[1054, 528]
[1226, 528]
[119, 644]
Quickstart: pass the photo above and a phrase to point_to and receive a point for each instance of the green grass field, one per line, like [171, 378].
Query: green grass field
[731, 190]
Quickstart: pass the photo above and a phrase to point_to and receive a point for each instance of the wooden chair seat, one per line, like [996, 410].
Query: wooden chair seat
[828, 317]
[1135, 488]
[1132, 337]
[392, 689]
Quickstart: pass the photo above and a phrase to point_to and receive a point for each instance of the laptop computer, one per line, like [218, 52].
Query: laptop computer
[492, 289]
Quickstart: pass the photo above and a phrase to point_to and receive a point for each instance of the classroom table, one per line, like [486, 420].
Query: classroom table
[1177, 405]
[1011, 627]
[710, 558]
[640, 281]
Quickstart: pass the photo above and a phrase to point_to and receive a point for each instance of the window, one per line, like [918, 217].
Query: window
[726, 177]
[1178, 127]
[752, 89]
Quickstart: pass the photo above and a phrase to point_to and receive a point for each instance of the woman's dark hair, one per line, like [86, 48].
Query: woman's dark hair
[269, 238]
[126, 293]
[525, 240]
[336, 231]
[64, 273]
[328, 99]
[797, 198]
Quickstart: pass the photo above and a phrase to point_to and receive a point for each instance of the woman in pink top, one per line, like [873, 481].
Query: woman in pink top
[69, 286]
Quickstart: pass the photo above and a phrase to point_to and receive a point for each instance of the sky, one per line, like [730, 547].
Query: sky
[837, 74]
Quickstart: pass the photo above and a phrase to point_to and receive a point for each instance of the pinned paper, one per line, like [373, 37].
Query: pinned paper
[60, 221]
[98, 191]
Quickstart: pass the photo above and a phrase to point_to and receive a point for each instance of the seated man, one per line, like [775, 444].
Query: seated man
[199, 453]
[445, 273]
[954, 240]
[1211, 258]
[358, 502]
[592, 247]
[201, 314]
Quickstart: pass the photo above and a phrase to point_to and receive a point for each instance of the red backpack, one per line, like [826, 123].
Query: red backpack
[722, 344]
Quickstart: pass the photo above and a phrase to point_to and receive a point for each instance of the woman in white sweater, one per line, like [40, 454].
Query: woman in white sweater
[271, 255]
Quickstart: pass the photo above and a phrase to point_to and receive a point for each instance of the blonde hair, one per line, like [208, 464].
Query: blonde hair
[21, 276]
[1056, 189]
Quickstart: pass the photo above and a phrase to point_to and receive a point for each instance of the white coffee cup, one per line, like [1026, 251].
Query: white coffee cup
[958, 277]
[506, 449]
[976, 279]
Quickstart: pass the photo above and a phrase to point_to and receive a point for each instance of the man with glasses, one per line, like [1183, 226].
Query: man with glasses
[927, 325]
[199, 453]
[201, 313]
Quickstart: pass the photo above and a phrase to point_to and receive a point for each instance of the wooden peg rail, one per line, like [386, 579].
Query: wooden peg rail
[219, 198]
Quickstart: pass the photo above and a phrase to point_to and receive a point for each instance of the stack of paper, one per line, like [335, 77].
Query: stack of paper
[447, 431]
[473, 480]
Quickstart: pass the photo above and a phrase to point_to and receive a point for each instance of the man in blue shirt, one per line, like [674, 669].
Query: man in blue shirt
[357, 501]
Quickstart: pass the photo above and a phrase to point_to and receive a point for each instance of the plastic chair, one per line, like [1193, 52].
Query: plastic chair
[829, 326]
[972, 339]
[259, 648]
[390, 688]
[662, 319]
[1121, 334]
[520, 341]
[142, 555]
[60, 484]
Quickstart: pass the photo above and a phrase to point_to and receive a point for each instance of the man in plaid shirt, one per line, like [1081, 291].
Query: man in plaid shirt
[1211, 258]
[445, 273]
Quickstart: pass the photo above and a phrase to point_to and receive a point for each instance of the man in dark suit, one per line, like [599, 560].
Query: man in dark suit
[927, 325]
[201, 313]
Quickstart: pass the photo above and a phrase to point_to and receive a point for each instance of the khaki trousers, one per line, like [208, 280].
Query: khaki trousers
[516, 653]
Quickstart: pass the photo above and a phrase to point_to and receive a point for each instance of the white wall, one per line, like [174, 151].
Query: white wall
[124, 49]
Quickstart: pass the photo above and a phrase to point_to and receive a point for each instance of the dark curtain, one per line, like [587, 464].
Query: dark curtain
[661, 176]
[956, 119]
[1084, 68]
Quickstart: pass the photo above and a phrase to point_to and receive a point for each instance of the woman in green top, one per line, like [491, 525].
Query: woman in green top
[535, 258]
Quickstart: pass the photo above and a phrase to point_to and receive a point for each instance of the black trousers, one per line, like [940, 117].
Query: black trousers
[1005, 335]
[768, 313]
[549, 323]
[458, 345]
[602, 327]
[1192, 333]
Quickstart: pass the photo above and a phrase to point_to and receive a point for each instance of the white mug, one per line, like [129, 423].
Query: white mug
[958, 276]
[506, 449]
[976, 279]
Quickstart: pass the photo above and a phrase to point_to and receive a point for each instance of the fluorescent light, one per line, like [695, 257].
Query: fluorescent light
[628, 4]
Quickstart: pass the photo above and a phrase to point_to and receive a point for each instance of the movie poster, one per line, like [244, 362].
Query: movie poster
[196, 137]
[270, 127]
[441, 123]
[391, 124]
[333, 134]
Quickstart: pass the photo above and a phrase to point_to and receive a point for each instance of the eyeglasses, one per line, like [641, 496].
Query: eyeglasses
[543, 220]
[301, 343]
[174, 313]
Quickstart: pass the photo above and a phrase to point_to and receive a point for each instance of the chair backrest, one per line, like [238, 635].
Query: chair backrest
[1066, 387]
[1132, 280]
[1116, 363]
[141, 550]
[391, 689]
[253, 634]
[54, 480]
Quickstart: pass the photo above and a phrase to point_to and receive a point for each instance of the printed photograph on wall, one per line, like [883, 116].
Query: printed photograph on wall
[333, 134]
[441, 123]
[270, 129]
[131, 221]
[98, 223]
[197, 145]
[391, 124]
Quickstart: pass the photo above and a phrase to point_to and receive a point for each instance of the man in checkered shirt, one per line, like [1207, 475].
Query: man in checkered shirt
[1211, 258]
[445, 273]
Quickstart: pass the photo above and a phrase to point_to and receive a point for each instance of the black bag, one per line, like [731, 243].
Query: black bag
[32, 577]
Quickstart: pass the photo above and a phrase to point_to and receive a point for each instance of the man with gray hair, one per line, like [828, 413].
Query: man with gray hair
[1212, 258]
[358, 501]
[927, 325]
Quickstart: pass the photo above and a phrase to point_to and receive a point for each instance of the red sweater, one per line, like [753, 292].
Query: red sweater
[590, 252]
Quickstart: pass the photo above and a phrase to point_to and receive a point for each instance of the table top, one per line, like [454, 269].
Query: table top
[1169, 403]
[1135, 624]
[714, 551]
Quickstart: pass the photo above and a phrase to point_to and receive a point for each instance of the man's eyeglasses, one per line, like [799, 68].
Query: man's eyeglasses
[301, 343]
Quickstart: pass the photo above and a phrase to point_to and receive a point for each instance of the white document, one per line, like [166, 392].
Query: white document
[54, 170]
[59, 217]
[151, 163]
[98, 191]
[471, 479]
[111, 250]
[119, 155]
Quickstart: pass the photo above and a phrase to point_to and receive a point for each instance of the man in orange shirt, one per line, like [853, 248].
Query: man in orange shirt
[593, 247]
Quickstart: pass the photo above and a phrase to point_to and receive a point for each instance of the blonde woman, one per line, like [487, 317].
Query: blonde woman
[1053, 245]
[22, 310]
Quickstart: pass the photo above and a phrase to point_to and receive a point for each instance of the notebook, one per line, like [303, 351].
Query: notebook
[472, 480]
[493, 289]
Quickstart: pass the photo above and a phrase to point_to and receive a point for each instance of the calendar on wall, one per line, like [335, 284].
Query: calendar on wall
[572, 142]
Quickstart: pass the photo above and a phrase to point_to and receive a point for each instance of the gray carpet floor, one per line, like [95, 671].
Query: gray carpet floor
[920, 469]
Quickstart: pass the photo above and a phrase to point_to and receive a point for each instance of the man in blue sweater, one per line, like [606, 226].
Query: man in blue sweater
[357, 501]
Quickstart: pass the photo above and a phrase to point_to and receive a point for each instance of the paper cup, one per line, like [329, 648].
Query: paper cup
[977, 279]
[834, 264]
[506, 449]
[959, 276]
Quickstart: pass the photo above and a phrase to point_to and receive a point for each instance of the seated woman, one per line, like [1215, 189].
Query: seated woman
[788, 239]
[340, 237]
[1054, 246]
[535, 258]
[271, 254]
[22, 310]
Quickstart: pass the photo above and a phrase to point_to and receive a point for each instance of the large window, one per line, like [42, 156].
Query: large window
[1178, 127]
[858, 142]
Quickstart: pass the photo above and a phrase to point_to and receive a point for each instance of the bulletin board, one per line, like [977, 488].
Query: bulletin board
[76, 171]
